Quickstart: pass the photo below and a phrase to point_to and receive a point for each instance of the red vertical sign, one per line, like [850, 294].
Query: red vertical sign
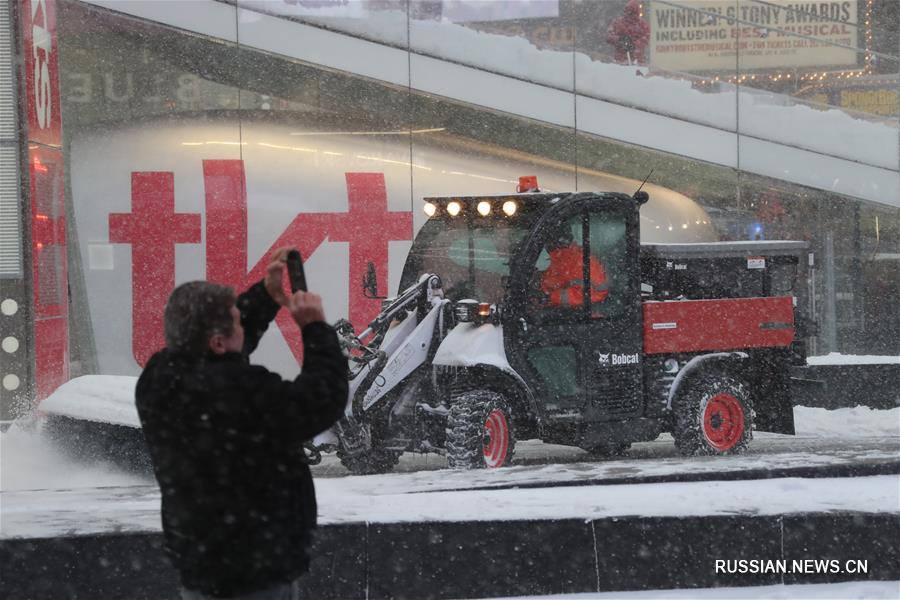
[45, 168]
[38, 22]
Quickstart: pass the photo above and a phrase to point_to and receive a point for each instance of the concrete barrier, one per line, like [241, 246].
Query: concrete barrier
[485, 559]
[846, 386]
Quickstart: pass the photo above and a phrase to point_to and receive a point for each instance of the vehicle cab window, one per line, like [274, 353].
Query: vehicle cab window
[608, 247]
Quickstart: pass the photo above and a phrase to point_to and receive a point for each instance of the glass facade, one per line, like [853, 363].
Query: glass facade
[237, 127]
[147, 143]
[325, 125]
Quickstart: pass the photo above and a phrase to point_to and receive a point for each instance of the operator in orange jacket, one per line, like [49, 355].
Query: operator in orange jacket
[563, 281]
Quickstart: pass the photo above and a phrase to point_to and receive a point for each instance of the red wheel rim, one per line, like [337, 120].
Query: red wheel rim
[496, 439]
[723, 421]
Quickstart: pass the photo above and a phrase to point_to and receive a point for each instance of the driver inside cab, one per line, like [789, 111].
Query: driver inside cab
[563, 280]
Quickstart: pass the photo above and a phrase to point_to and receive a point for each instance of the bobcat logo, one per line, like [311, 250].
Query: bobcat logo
[604, 359]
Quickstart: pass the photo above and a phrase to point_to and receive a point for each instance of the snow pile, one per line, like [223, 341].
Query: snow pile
[102, 398]
[764, 115]
[859, 421]
[836, 358]
[29, 461]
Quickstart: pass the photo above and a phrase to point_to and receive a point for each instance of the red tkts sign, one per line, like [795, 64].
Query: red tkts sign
[38, 24]
[153, 228]
[46, 195]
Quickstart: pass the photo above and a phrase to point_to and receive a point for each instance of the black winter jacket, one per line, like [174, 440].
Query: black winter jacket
[225, 438]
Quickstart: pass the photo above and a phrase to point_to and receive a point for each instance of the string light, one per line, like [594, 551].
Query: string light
[868, 35]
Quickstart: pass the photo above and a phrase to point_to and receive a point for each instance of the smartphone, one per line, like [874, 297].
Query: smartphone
[296, 274]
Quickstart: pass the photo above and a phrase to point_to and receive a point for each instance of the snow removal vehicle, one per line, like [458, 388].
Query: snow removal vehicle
[484, 346]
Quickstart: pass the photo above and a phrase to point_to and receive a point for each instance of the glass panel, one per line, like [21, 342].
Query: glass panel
[528, 41]
[326, 152]
[818, 144]
[640, 116]
[879, 281]
[610, 269]
[144, 106]
[471, 256]
[798, 62]
[558, 370]
[641, 78]
[377, 20]
[492, 86]
[560, 266]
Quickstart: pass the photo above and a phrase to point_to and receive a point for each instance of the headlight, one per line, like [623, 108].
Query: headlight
[453, 208]
[472, 311]
[509, 208]
[430, 209]
[484, 208]
[466, 310]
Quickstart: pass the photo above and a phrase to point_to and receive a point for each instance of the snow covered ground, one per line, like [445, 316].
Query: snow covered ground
[853, 590]
[384, 499]
[45, 493]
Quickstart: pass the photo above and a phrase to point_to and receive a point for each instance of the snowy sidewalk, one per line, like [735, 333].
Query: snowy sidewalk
[851, 590]
[53, 513]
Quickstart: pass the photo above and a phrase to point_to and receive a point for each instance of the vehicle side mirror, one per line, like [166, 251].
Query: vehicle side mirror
[370, 282]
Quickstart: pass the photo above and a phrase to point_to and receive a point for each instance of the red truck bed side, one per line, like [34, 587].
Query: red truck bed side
[707, 325]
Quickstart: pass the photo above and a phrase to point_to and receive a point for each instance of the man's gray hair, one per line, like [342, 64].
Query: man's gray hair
[195, 312]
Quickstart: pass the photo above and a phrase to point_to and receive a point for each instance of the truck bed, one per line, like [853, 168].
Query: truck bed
[753, 269]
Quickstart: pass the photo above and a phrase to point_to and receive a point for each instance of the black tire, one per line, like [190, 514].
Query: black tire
[377, 459]
[370, 463]
[713, 416]
[480, 431]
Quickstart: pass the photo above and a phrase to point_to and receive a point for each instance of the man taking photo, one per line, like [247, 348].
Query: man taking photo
[226, 437]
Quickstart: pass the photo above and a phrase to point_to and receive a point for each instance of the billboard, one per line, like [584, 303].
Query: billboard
[726, 35]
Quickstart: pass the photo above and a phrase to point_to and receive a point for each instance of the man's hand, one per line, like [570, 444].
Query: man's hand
[306, 308]
[274, 276]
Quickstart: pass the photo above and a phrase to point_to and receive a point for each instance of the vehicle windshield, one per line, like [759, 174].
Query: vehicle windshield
[471, 257]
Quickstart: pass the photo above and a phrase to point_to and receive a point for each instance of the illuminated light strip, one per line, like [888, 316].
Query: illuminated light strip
[393, 162]
[485, 177]
[214, 143]
[404, 132]
[294, 148]
[868, 34]
[329, 153]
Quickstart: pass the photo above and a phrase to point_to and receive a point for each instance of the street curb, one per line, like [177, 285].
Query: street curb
[807, 472]
[480, 559]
